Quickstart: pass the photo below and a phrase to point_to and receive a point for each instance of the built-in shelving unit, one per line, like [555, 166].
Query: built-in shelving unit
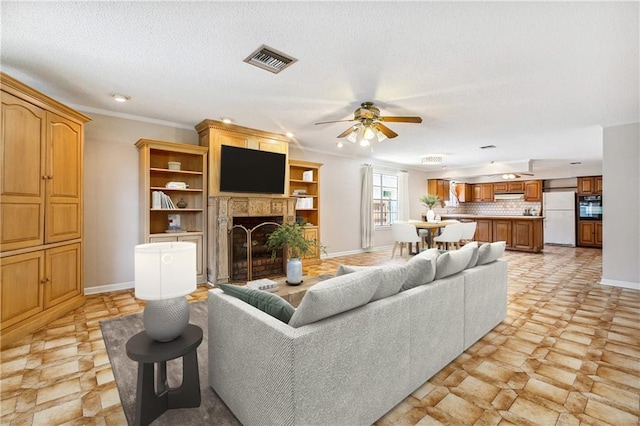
[188, 184]
[304, 185]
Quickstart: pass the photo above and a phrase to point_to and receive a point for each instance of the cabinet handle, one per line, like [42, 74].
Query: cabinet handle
[44, 280]
[47, 177]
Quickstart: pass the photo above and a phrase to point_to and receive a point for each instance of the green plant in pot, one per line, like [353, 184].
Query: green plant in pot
[429, 201]
[291, 239]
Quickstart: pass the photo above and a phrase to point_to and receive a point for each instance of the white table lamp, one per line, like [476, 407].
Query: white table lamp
[164, 274]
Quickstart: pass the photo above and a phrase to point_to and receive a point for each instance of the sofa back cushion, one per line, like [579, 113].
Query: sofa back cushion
[393, 276]
[473, 246]
[269, 303]
[490, 252]
[421, 269]
[452, 262]
[336, 295]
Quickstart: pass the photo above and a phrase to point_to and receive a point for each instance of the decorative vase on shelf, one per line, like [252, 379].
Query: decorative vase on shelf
[294, 271]
[182, 204]
[431, 215]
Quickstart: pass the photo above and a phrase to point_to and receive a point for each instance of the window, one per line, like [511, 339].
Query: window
[385, 199]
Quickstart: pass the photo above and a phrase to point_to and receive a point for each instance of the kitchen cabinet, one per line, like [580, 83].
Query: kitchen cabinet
[439, 187]
[509, 187]
[589, 233]
[154, 158]
[464, 192]
[482, 192]
[527, 235]
[590, 185]
[533, 190]
[502, 231]
[41, 156]
[484, 231]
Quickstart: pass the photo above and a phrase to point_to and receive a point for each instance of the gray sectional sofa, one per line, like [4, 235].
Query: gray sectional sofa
[352, 367]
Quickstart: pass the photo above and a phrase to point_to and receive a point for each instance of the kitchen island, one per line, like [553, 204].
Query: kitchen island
[523, 233]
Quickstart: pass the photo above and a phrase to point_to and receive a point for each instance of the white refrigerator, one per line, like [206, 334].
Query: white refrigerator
[559, 209]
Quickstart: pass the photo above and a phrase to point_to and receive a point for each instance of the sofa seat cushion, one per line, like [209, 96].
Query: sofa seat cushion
[490, 252]
[421, 269]
[393, 276]
[336, 295]
[452, 262]
[269, 303]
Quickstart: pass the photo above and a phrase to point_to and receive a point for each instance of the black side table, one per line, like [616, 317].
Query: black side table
[147, 352]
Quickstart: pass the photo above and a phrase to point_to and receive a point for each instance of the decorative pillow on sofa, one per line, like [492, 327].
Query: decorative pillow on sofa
[490, 252]
[269, 303]
[452, 262]
[473, 245]
[393, 276]
[421, 269]
[336, 295]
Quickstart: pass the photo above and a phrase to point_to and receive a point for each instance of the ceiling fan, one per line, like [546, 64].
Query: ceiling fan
[369, 125]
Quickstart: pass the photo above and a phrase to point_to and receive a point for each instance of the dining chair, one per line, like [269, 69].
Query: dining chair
[468, 231]
[403, 233]
[450, 236]
[424, 234]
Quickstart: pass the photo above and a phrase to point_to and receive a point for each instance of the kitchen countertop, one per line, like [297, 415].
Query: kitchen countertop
[485, 216]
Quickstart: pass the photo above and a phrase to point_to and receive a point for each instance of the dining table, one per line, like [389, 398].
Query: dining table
[432, 228]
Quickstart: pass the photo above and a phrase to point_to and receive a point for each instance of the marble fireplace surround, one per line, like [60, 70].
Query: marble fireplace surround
[221, 211]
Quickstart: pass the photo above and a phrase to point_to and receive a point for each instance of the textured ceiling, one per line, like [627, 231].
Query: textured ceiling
[538, 80]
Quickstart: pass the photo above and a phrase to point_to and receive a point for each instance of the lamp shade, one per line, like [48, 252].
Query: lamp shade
[165, 270]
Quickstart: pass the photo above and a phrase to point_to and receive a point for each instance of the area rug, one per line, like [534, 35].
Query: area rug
[212, 410]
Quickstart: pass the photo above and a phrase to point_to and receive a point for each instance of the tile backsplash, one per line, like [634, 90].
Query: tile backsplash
[496, 208]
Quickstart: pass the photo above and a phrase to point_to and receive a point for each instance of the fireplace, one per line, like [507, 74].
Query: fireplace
[250, 257]
[229, 220]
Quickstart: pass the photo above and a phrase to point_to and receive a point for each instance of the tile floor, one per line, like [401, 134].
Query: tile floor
[567, 354]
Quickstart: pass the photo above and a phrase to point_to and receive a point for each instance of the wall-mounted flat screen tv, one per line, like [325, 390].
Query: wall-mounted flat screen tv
[250, 170]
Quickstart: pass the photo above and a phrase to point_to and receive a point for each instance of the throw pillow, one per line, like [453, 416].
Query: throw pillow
[393, 276]
[490, 252]
[336, 295]
[269, 303]
[421, 269]
[452, 262]
[473, 245]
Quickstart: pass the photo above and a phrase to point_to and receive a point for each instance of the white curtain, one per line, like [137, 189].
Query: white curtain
[403, 196]
[366, 207]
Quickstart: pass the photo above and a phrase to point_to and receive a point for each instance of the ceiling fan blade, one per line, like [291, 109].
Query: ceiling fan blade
[401, 119]
[346, 132]
[384, 129]
[334, 121]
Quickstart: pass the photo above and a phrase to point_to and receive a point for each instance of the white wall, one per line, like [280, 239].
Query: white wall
[621, 216]
[111, 213]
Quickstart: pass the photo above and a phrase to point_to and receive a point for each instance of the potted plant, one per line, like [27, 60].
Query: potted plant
[429, 201]
[291, 239]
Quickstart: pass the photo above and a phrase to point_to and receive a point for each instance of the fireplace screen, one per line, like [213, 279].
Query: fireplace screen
[250, 257]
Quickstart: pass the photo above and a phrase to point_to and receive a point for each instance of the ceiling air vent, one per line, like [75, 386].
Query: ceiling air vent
[270, 59]
[432, 159]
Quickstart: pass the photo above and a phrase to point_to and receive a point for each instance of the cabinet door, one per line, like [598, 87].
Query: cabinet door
[64, 179]
[311, 233]
[23, 278]
[484, 231]
[477, 193]
[502, 231]
[200, 261]
[487, 192]
[22, 185]
[523, 234]
[586, 233]
[533, 190]
[597, 184]
[598, 233]
[585, 185]
[63, 272]
[464, 192]
[516, 187]
[500, 187]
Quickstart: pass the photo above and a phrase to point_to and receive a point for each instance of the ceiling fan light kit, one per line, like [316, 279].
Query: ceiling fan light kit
[369, 126]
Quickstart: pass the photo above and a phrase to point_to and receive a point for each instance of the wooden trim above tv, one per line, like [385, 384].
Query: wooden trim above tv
[214, 134]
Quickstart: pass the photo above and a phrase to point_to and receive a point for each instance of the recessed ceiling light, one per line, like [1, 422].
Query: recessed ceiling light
[227, 120]
[289, 134]
[339, 144]
[120, 98]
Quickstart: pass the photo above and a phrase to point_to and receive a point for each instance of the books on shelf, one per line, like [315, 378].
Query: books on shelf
[264, 284]
[160, 200]
[304, 203]
[299, 192]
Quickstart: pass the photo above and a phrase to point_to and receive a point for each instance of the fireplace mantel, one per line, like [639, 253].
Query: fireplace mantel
[222, 210]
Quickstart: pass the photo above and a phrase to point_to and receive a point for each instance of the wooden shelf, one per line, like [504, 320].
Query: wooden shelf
[162, 188]
[312, 214]
[180, 172]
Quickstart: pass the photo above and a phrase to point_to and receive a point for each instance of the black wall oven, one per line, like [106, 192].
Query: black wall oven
[590, 207]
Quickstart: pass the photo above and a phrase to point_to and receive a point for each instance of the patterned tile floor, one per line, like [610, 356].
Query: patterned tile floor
[567, 354]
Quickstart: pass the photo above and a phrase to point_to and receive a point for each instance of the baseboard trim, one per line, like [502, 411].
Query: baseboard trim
[352, 252]
[109, 288]
[623, 284]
